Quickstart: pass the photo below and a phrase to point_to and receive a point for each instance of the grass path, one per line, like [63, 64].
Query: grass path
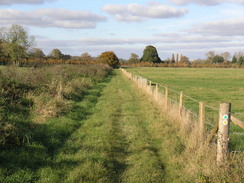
[123, 138]
[117, 143]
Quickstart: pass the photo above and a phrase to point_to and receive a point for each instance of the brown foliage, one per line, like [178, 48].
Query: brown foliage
[109, 58]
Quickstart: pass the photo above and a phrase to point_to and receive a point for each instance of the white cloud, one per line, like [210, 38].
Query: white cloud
[51, 18]
[136, 12]
[11, 2]
[205, 2]
[171, 38]
[188, 38]
[228, 27]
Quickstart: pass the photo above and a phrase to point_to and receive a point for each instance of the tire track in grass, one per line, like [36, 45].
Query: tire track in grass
[113, 144]
[144, 162]
[118, 145]
[134, 157]
[95, 152]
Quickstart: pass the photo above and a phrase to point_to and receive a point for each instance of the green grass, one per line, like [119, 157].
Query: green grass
[113, 135]
[213, 86]
[38, 158]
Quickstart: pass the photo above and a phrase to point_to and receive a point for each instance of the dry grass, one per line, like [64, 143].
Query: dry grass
[35, 94]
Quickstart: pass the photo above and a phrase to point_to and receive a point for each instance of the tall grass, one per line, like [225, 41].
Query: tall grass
[40, 109]
[33, 95]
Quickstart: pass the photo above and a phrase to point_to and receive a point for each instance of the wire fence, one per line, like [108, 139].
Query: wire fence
[192, 107]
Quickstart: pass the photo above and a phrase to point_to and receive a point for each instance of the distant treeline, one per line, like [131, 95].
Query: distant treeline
[16, 48]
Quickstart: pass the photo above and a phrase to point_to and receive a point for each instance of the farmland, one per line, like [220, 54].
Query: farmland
[209, 85]
[63, 129]
[111, 129]
[212, 86]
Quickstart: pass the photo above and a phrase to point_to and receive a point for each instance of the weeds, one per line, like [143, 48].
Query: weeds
[30, 95]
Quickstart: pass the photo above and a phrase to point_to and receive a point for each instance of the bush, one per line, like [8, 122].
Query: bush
[109, 58]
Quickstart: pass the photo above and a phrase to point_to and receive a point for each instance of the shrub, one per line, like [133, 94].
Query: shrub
[109, 58]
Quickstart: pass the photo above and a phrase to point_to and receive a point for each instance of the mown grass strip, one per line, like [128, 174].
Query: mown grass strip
[114, 144]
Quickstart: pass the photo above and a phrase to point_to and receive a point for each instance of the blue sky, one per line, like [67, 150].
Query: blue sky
[188, 27]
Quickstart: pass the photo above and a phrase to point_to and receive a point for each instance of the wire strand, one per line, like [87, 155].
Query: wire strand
[237, 133]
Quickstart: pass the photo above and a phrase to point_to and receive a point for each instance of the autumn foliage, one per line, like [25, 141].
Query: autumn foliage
[109, 58]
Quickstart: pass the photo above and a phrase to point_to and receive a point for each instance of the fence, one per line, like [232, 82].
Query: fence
[210, 122]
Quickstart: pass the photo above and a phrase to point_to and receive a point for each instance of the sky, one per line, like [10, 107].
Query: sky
[188, 27]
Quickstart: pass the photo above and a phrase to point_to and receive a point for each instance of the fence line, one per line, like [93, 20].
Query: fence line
[237, 133]
[236, 152]
[237, 113]
[211, 107]
[210, 124]
[223, 116]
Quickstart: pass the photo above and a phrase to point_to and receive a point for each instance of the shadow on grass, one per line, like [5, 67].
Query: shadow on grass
[47, 139]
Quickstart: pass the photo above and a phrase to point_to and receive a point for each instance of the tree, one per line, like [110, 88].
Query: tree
[1, 48]
[109, 58]
[172, 59]
[226, 55]
[16, 42]
[134, 58]
[184, 60]
[234, 59]
[218, 59]
[150, 54]
[85, 57]
[3, 59]
[239, 55]
[210, 56]
[37, 53]
[65, 57]
[56, 54]
[241, 60]
[177, 58]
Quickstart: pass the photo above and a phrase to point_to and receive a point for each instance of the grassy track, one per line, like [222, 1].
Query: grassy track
[113, 135]
[114, 144]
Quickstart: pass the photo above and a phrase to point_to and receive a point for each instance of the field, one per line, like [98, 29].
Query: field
[212, 86]
[94, 125]
[110, 134]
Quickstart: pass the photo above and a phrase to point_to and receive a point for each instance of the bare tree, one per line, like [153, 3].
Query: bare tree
[239, 54]
[86, 57]
[210, 54]
[226, 55]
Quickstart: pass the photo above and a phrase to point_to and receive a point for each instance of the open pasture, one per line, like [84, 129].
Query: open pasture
[209, 85]
[212, 86]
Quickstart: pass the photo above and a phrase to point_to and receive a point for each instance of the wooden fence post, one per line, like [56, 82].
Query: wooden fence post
[150, 87]
[156, 92]
[223, 133]
[201, 118]
[145, 85]
[166, 97]
[60, 90]
[181, 103]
